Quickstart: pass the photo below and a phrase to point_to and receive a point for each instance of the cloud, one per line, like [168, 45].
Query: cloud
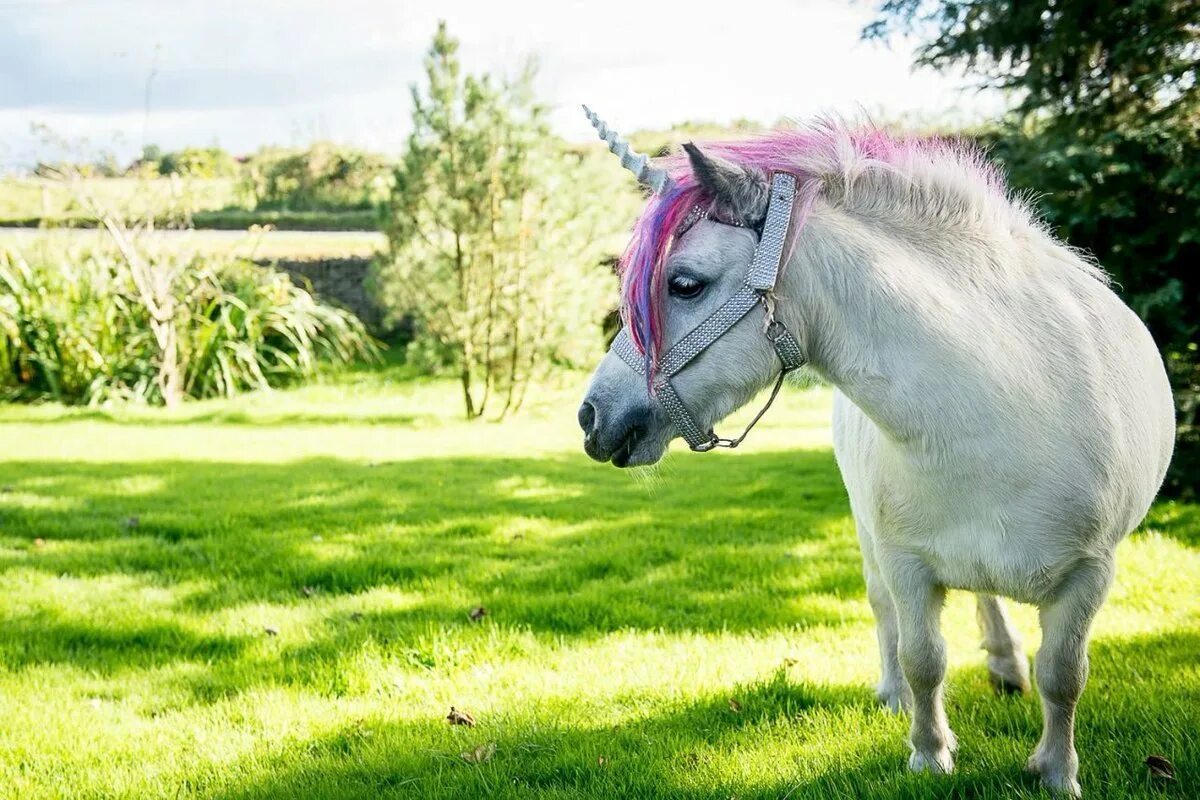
[99, 57]
[250, 72]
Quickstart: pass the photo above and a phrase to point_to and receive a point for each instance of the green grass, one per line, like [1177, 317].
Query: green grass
[241, 219]
[212, 203]
[260, 244]
[144, 555]
[26, 198]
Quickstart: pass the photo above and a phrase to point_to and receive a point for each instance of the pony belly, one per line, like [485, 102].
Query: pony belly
[991, 539]
[978, 558]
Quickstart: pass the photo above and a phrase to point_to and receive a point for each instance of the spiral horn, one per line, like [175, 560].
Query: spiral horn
[657, 179]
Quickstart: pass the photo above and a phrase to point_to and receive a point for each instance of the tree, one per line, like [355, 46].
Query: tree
[1098, 61]
[495, 241]
[1106, 132]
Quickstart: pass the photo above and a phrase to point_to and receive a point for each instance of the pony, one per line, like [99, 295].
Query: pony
[1001, 418]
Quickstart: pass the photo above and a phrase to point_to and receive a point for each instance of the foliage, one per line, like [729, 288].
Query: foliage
[102, 166]
[196, 162]
[495, 234]
[324, 177]
[1107, 138]
[83, 330]
[1113, 61]
[146, 554]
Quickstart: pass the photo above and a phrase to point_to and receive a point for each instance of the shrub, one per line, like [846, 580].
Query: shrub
[81, 331]
[324, 177]
[198, 162]
[496, 240]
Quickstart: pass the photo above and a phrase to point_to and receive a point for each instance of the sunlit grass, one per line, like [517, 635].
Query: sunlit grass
[269, 244]
[24, 198]
[269, 597]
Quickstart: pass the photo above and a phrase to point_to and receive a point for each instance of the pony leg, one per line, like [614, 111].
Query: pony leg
[892, 691]
[1006, 661]
[919, 599]
[1062, 669]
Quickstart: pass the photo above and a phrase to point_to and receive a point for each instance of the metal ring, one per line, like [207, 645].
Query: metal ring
[775, 331]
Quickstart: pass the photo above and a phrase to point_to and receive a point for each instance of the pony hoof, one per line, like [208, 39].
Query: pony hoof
[1009, 675]
[1055, 778]
[940, 762]
[891, 699]
[896, 698]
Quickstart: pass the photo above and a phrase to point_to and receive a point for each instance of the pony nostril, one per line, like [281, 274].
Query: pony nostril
[587, 416]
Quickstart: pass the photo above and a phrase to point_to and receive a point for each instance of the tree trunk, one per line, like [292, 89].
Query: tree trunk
[466, 387]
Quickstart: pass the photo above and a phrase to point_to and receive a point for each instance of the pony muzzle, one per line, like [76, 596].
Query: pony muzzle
[618, 439]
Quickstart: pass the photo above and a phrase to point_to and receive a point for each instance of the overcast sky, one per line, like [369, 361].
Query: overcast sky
[241, 73]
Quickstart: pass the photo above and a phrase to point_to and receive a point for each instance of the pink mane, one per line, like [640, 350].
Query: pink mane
[814, 154]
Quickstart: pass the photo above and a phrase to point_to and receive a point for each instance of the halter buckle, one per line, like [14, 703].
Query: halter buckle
[715, 441]
[775, 331]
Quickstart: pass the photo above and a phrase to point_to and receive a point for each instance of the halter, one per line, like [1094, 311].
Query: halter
[758, 289]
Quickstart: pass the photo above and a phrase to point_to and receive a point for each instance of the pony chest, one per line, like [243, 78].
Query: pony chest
[971, 534]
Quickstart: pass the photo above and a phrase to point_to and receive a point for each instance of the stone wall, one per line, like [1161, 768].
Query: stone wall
[341, 281]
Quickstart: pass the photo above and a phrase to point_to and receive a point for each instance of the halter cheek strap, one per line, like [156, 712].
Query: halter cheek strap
[761, 278]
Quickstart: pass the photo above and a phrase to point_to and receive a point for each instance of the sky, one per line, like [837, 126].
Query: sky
[114, 74]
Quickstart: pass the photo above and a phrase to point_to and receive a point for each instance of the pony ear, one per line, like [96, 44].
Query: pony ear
[740, 194]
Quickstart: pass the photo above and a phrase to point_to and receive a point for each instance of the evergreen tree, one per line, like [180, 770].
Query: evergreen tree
[495, 242]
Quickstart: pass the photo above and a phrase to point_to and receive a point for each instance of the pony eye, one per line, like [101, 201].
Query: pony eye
[685, 288]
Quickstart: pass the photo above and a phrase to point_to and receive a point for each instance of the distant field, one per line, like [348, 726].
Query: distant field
[266, 245]
[213, 203]
[25, 198]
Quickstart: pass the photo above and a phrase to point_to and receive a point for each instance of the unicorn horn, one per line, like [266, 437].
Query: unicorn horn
[657, 179]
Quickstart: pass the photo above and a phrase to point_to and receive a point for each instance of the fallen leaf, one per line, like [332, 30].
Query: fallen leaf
[735, 706]
[601, 761]
[270, 631]
[1160, 767]
[307, 591]
[456, 717]
[481, 754]
[477, 613]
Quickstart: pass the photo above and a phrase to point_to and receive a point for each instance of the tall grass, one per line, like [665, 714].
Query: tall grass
[77, 328]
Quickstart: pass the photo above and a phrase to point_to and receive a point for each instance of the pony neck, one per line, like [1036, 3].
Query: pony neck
[865, 308]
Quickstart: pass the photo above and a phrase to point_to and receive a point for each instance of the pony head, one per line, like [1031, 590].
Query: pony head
[689, 253]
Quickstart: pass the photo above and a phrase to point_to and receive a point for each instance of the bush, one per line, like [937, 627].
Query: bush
[80, 331]
[198, 162]
[322, 178]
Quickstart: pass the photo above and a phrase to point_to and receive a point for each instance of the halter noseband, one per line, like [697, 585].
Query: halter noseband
[758, 289]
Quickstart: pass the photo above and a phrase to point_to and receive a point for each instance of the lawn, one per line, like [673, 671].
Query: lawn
[24, 198]
[270, 597]
[268, 244]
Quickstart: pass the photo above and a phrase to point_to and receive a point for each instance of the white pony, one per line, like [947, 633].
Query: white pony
[1001, 421]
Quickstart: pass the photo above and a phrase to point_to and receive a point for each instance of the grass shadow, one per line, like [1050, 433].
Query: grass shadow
[782, 739]
[560, 547]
